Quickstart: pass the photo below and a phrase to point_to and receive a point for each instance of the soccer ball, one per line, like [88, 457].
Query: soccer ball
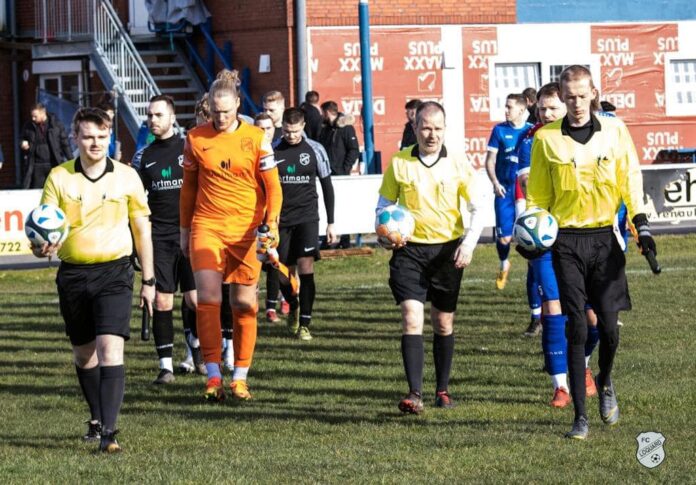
[535, 229]
[46, 224]
[393, 224]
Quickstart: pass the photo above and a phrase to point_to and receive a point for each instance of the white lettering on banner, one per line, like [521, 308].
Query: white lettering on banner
[427, 82]
[488, 47]
[661, 140]
[478, 62]
[424, 48]
[479, 104]
[622, 100]
[352, 49]
[617, 59]
[354, 106]
[477, 144]
[616, 44]
[422, 63]
[668, 43]
[16, 206]
[314, 65]
[352, 64]
[659, 58]
[660, 99]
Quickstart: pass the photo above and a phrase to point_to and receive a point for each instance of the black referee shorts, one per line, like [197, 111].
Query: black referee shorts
[590, 267]
[298, 241]
[95, 299]
[172, 268]
[426, 272]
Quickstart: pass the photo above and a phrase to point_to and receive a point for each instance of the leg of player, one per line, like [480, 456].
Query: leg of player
[244, 309]
[413, 354]
[293, 301]
[305, 268]
[592, 339]
[272, 290]
[504, 221]
[89, 377]
[112, 387]
[534, 300]
[227, 333]
[443, 351]
[163, 331]
[186, 366]
[188, 314]
[208, 287]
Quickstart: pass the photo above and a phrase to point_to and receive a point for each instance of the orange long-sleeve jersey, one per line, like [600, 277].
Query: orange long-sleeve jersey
[230, 183]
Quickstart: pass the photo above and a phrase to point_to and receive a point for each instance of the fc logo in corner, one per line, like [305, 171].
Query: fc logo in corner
[651, 449]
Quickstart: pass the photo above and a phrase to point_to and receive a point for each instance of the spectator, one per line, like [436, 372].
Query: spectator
[530, 95]
[312, 112]
[409, 136]
[45, 144]
[339, 139]
[114, 144]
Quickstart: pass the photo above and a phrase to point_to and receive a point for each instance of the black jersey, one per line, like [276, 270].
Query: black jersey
[161, 170]
[298, 168]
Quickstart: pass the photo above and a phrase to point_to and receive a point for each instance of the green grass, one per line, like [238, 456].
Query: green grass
[325, 411]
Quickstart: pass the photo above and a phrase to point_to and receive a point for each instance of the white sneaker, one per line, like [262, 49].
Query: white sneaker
[186, 366]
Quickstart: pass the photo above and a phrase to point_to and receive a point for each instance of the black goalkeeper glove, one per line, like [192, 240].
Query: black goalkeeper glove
[646, 243]
[529, 254]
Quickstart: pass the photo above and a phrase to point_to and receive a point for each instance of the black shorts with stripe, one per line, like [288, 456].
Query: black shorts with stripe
[172, 268]
[96, 299]
[590, 267]
[426, 272]
[298, 241]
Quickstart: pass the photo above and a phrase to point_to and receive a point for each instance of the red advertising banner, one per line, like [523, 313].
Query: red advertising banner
[406, 64]
[478, 45]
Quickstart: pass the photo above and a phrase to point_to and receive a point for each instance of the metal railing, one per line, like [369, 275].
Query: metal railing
[97, 21]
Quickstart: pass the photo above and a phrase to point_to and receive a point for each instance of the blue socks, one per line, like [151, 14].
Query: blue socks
[554, 344]
[592, 339]
[533, 296]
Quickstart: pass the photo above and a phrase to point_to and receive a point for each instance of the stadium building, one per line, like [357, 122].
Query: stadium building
[468, 54]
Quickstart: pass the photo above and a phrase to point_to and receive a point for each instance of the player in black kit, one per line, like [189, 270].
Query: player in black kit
[298, 168]
[161, 170]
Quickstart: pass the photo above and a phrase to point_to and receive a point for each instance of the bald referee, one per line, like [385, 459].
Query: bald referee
[583, 166]
[95, 278]
[431, 183]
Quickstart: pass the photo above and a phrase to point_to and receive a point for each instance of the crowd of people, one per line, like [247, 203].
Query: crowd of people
[207, 213]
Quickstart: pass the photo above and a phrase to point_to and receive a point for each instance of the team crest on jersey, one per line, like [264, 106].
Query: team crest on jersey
[181, 160]
[304, 159]
[247, 144]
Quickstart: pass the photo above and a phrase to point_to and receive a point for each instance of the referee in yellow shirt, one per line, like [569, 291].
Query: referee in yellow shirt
[431, 183]
[95, 279]
[583, 166]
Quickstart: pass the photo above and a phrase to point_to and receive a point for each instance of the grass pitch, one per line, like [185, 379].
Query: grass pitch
[325, 411]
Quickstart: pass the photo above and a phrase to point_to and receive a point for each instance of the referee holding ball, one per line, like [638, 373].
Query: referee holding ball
[583, 166]
[95, 278]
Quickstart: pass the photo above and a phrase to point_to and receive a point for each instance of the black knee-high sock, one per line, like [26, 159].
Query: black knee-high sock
[272, 288]
[188, 317]
[226, 313]
[307, 294]
[576, 332]
[443, 350]
[89, 383]
[163, 331]
[413, 354]
[293, 301]
[607, 324]
[112, 388]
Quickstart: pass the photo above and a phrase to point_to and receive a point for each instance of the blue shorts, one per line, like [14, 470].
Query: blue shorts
[505, 212]
[546, 277]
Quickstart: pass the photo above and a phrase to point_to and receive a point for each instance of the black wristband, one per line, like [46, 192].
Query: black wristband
[640, 220]
[150, 282]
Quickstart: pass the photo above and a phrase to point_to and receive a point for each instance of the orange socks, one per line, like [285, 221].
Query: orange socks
[209, 331]
[244, 336]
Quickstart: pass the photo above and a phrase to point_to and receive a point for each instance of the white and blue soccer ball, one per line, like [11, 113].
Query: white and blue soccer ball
[47, 223]
[535, 229]
[393, 224]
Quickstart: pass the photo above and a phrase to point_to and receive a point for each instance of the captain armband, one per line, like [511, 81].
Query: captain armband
[267, 163]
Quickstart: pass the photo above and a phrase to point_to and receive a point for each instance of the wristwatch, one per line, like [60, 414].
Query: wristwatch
[150, 282]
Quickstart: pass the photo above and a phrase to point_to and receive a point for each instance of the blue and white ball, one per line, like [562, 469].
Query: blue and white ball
[46, 224]
[393, 225]
[535, 229]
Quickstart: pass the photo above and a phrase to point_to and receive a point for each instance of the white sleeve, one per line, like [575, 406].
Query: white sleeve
[476, 223]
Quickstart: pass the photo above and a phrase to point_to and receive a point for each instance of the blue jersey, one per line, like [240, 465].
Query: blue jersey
[524, 150]
[504, 139]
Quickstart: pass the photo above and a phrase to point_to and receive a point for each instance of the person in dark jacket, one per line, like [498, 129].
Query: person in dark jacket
[312, 112]
[408, 138]
[45, 145]
[339, 139]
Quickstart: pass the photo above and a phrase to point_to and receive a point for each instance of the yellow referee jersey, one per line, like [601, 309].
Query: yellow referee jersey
[583, 185]
[98, 210]
[432, 194]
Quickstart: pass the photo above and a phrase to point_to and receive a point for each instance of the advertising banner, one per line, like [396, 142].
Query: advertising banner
[15, 206]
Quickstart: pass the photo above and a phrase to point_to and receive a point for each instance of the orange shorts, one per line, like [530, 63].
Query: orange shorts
[235, 259]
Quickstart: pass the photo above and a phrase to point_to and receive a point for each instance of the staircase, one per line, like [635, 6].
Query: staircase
[172, 74]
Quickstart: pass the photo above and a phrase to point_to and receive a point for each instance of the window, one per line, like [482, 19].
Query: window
[680, 87]
[511, 78]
